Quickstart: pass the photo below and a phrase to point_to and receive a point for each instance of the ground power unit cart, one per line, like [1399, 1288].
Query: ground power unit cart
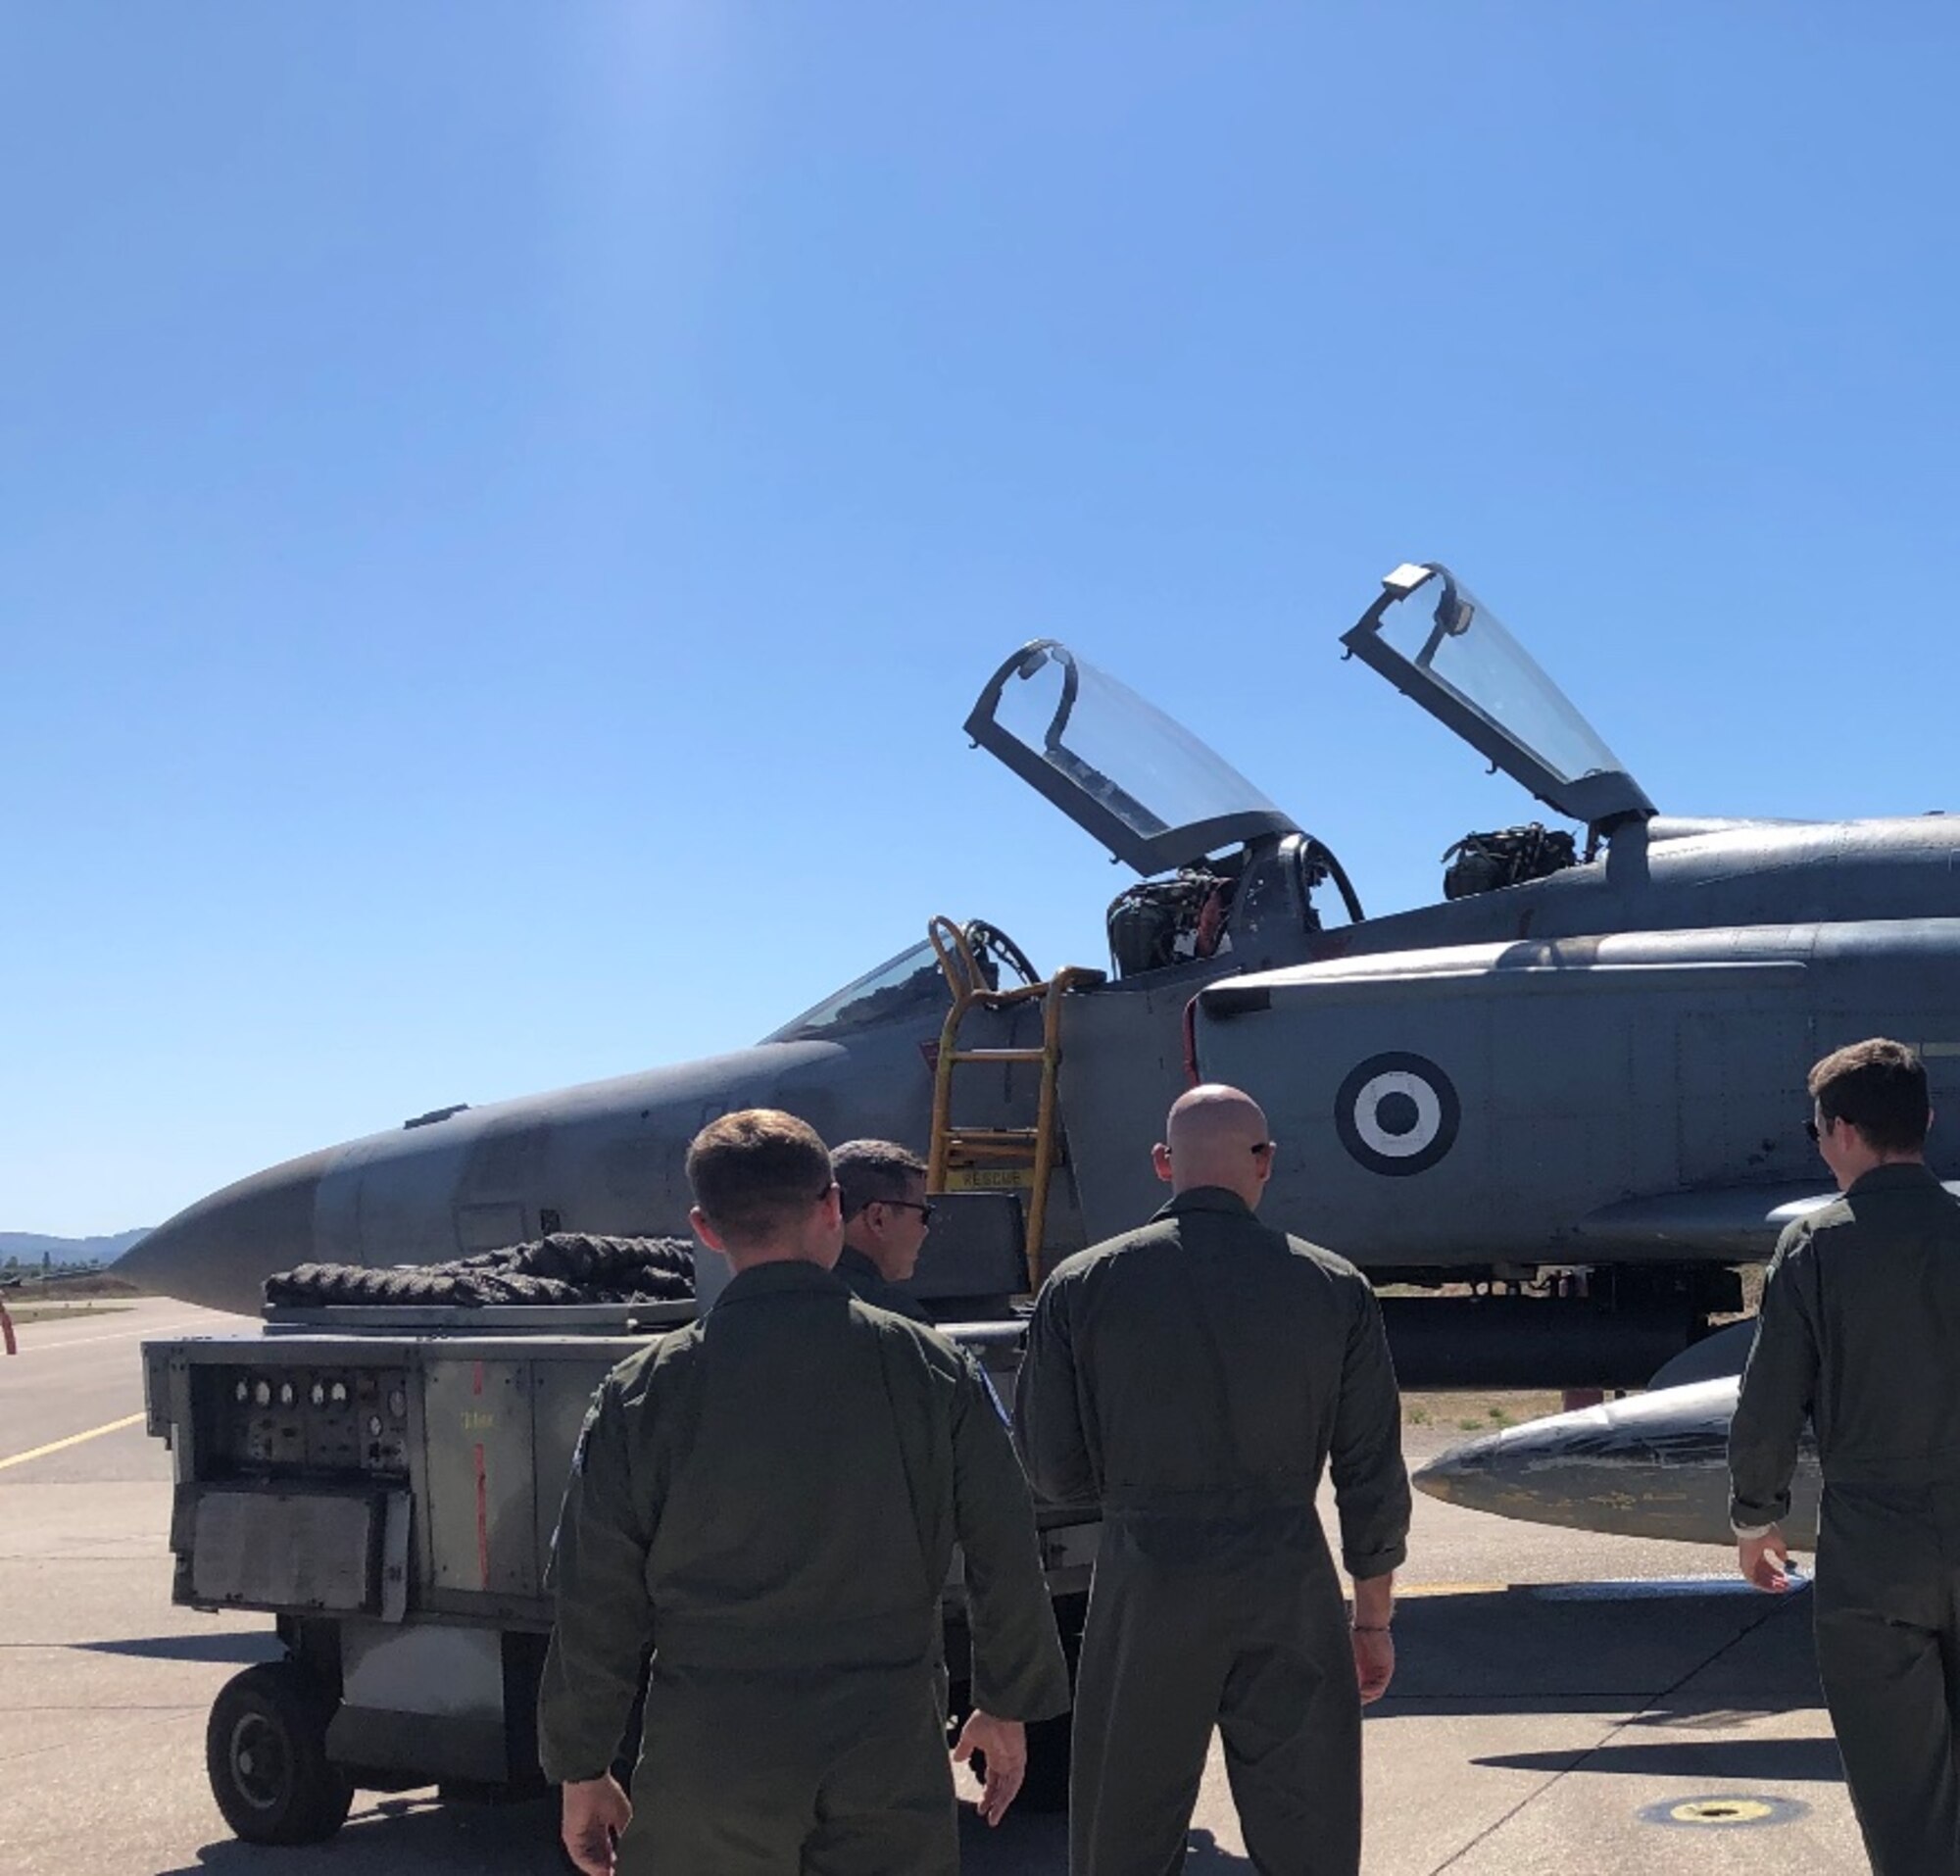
[386, 1483]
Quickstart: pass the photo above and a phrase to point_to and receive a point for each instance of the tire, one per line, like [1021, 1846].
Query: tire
[265, 1750]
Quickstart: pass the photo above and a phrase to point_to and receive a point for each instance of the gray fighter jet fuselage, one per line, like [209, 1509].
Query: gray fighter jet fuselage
[1578, 1083]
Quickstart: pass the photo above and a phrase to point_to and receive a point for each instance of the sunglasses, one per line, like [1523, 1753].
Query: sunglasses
[1816, 1132]
[925, 1211]
[1257, 1147]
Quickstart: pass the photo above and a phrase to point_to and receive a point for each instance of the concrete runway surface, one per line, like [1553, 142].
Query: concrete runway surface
[1555, 1692]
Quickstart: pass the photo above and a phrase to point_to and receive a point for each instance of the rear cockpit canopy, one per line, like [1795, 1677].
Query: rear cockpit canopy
[1432, 639]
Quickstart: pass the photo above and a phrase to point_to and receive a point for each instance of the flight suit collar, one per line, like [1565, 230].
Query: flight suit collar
[853, 1263]
[1204, 1198]
[778, 1279]
[1899, 1176]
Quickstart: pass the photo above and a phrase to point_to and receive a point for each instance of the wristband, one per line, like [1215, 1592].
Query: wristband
[1369, 1628]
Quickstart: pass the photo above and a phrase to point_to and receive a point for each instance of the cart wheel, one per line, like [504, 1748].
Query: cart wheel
[265, 1749]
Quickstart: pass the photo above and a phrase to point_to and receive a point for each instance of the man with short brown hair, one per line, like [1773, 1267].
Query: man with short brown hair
[886, 1218]
[1858, 1333]
[769, 1500]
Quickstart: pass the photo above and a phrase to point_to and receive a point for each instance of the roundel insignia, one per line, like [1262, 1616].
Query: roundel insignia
[1398, 1114]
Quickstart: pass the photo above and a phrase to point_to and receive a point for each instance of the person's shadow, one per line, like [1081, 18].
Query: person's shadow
[1036, 1844]
[1205, 1852]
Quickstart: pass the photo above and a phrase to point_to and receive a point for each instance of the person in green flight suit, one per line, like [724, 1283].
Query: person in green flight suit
[886, 1216]
[768, 1502]
[1859, 1325]
[1194, 1378]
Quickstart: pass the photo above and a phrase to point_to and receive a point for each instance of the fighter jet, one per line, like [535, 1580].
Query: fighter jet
[1563, 1103]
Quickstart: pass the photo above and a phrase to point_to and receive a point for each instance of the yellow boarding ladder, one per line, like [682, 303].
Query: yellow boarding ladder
[1033, 1150]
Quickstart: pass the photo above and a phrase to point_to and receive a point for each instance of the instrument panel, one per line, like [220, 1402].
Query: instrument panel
[270, 1423]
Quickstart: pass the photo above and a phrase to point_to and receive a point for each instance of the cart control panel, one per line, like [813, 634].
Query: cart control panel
[280, 1422]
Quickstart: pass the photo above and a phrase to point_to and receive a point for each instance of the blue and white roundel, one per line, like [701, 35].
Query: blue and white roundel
[1398, 1114]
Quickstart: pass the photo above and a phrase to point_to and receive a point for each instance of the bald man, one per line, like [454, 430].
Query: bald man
[1194, 1378]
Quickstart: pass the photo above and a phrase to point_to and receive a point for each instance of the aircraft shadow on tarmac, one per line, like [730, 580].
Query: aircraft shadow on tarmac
[1696, 1656]
[386, 1835]
[1027, 1842]
[1700, 1651]
[1764, 1761]
[243, 1648]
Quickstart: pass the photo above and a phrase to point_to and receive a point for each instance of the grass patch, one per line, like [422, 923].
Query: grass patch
[61, 1311]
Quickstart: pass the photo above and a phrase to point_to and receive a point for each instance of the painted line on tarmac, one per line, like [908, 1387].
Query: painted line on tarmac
[1405, 1591]
[73, 1439]
[31, 1344]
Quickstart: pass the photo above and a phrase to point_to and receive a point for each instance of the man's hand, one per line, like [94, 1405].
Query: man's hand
[595, 1810]
[1374, 1651]
[1006, 1745]
[1765, 1559]
[1374, 1663]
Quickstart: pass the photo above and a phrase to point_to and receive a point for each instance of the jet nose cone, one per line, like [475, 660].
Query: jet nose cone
[1459, 1477]
[1655, 1465]
[217, 1252]
[1519, 1472]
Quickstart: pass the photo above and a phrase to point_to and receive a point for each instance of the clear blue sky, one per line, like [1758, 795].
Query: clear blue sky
[506, 507]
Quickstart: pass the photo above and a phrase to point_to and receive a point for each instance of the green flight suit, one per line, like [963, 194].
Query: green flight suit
[770, 1499]
[1860, 1333]
[869, 1284]
[1194, 1378]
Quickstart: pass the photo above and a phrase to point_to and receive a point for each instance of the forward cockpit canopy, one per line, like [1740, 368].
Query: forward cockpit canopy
[1140, 783]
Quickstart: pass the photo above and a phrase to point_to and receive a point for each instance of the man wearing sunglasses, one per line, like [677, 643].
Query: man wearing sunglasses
[1859, 1334]
[1194, 1378]
[769, 1499]
[886, 1216]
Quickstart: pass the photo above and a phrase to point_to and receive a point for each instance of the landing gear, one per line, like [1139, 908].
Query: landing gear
[264, 1748]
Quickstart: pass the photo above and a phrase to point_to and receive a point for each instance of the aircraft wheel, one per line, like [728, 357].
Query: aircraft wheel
[264, 1748]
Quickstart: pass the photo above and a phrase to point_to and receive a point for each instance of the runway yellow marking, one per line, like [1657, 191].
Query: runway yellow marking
[73, 1439]
[1403, 1591]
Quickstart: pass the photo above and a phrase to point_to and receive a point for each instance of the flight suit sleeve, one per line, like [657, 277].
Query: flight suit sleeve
[1778, 1386]
[1048, 1408]
[1371, 1487]
[1018, 1670]
[605, 1624]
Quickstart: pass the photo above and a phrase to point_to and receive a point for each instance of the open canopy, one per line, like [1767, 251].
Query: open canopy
[1438, 643]
[1121, 770]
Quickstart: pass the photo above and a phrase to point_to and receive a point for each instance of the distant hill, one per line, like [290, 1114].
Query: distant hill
[29, 1247]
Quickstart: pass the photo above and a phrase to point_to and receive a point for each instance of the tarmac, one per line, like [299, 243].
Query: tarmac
[1563, 1703]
